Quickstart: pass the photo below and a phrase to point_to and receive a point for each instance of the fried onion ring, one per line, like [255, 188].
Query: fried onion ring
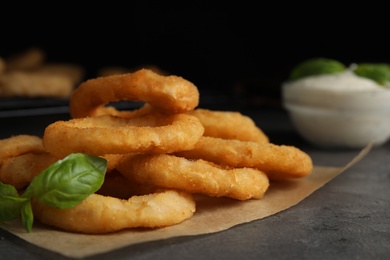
[222, 124]
[197, 176]
[279, 162]
[18, 171]
[152, 133]
[229, 125]
[104, 214]
[170, 93]
[18, 145]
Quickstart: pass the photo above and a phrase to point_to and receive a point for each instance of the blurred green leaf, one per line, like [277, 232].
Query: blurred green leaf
[316, 66]
[379, 72]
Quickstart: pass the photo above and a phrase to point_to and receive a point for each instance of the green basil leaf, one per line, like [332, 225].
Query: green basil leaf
[7, 190]
[316, 66]
[10, 202]
[379, 72]
[27, 216]
[67, 182]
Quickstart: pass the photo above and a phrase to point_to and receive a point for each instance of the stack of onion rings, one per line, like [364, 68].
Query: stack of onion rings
[158, 155]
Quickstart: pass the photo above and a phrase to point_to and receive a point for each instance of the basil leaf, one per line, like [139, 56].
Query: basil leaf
[27, 216]
[7, 190]
[316, 66]
[67, 182]
[379, 72]
[10, 202]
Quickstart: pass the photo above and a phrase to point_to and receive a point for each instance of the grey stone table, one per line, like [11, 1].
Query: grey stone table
[348, 218]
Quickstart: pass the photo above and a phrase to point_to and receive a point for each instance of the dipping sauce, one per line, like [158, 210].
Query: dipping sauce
[344, 81]
[339, 110]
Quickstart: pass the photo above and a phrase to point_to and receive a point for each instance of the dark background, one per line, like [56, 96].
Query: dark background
[239, 49]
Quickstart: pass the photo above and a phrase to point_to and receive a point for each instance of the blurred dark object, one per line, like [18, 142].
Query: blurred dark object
[219, 47]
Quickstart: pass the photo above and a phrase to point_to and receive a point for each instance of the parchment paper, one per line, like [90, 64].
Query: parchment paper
[212, 215]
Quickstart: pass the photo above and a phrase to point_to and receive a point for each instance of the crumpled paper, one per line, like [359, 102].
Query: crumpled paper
[212, 215]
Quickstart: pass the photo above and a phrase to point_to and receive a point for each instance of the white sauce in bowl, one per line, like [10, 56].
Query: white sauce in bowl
[341, 110]
[343, 91]
[345, 81]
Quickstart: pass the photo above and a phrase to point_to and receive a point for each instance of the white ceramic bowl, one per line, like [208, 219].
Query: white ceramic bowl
[334, 118]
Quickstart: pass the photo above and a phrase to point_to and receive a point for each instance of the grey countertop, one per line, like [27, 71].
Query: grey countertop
[348, 218]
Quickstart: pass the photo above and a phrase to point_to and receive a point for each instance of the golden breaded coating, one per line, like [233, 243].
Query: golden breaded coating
[19, 144]
[153, 133]
[103, 214]
[229, 125]
[170, 93]
[277, 161]
[195, 176]
[18, 171]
